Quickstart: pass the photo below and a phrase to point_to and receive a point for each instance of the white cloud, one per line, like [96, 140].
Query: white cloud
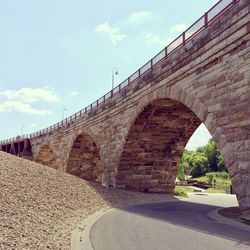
[20, 100]
[105, 28]
[29, 95]
[139, 17]
[33, 125]
[178, 28]
[112, 32]
[155, 39]
[73, 93]
[18, 106]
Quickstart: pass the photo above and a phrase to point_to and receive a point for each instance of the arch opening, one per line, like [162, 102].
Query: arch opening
[46, 157]
[84, 159]
[154, 146]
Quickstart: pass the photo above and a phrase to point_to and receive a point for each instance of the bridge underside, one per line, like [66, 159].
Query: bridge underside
[21, 147]
[84, 159]
[46, 157]
[154, 147]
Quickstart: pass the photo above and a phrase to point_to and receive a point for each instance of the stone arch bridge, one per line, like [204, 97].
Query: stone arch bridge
[134, 136]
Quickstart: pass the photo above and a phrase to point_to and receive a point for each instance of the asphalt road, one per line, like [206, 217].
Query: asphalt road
[176, 225]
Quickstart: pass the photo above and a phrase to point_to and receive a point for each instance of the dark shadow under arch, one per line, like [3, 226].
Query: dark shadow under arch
[154, 146]
[84, 159]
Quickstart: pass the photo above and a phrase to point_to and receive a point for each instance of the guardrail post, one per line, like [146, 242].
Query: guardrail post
[206, 19]
[166, 52]
[139, 73]
[183, 38]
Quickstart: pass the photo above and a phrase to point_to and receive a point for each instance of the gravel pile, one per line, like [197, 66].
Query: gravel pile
[40, 206]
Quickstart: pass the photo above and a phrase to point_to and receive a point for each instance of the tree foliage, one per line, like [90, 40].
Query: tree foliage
[204, 159]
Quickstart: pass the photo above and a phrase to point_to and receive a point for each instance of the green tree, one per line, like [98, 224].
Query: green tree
[211, 151]
[181, 174]
[220, 163]
[194, 163]
[204, 159]
[213, 155]
[200, 164]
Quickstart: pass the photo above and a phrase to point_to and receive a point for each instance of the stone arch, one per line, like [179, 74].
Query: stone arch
[154, 146]
[84, 159]
[190, 102]
[46, 157]
[231, 139]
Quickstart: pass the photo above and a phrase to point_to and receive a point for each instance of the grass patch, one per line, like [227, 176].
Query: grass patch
[218, 178]
[215, 190]
[222, 184]
[201, 179]
[182, 191]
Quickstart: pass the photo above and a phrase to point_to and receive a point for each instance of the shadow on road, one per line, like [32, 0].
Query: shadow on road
[169, 209]
[192, 216]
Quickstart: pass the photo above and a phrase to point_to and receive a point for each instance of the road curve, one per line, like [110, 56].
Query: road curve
[180, 225]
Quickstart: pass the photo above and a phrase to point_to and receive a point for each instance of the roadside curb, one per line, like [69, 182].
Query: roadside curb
[80, 237]
[221, 219]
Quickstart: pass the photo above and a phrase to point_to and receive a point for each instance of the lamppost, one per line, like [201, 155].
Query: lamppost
[114, 72]
[63, 110]
[22, 128]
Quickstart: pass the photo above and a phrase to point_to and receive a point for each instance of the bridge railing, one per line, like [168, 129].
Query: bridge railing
[15, 139]
[180, 41]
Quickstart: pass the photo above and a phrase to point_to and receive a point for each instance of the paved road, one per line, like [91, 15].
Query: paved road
[176, 225]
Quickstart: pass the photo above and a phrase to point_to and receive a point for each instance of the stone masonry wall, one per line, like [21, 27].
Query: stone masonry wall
[154, 146]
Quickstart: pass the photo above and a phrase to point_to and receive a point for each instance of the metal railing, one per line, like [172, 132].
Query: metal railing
[15, 139]
[180, 41]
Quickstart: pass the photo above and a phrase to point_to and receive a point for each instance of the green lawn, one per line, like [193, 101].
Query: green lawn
[221, 184]
[215, 190]
[182, 191]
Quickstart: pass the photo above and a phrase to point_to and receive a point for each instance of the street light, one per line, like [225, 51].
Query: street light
[23, 127]
[114, 72]
[63, 110]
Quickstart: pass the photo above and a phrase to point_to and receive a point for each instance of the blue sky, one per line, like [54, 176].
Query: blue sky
[57, 53]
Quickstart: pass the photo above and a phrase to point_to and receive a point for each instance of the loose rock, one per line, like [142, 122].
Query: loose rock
[40, 206]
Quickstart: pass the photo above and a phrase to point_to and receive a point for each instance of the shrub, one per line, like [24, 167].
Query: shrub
[223, 175]
[210, 177]
[179, 191]
[181, 174]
